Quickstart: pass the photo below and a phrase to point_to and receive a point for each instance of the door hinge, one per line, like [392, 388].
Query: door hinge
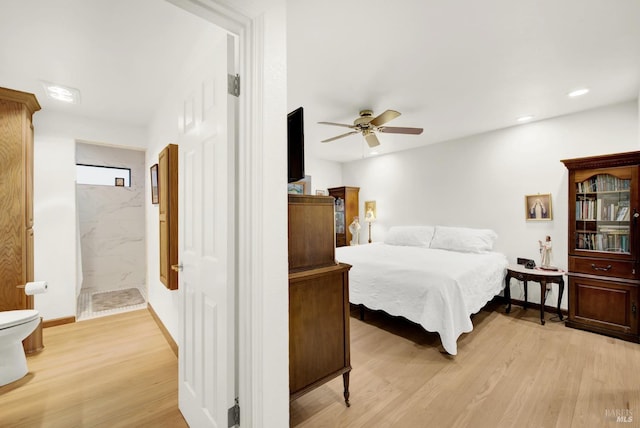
[234, 414]
[233, 84]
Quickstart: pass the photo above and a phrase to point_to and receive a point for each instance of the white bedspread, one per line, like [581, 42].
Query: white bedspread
[437, 289]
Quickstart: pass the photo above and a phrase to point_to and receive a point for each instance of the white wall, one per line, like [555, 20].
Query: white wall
[273, 306]
[55, 136]
[481, 181]
[324, 174]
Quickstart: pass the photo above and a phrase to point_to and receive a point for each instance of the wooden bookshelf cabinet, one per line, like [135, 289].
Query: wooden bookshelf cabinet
[604, 245]
[346, 208]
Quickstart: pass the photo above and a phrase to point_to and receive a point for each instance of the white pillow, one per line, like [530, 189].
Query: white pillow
[463, 239]
[411, 236]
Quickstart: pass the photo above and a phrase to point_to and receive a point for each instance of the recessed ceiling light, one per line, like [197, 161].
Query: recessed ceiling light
[62, 93]
[578, 92]
[373, 153]
[524, 118]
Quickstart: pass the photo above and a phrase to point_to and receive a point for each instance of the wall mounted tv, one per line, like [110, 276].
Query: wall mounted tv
[295, 145]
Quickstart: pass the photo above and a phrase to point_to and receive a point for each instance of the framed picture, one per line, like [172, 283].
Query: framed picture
[538, 207]
[154, 184]
[297, 188]
[322, 193]
[120, 181]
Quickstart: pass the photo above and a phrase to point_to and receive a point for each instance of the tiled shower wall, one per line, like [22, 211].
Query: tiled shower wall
[112, 221]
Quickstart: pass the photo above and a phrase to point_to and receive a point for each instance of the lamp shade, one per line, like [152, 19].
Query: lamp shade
[369, 216]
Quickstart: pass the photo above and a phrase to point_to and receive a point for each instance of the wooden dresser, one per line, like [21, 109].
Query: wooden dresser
[319, 348]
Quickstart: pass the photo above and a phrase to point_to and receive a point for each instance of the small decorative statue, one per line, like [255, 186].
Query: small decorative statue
[546, 252]
[354, 228]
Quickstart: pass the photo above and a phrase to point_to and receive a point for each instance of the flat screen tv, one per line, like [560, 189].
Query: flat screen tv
[295, 145]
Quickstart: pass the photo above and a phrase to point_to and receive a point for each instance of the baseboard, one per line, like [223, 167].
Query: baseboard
[172, 344]
[58, 321]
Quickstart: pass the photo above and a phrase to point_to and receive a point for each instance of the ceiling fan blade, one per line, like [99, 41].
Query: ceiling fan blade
[384, 117]
[339, 136]
[337, 124]
[372, 140]
[400, 130]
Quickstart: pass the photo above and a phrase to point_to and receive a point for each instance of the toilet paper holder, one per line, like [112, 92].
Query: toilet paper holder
[35, 287]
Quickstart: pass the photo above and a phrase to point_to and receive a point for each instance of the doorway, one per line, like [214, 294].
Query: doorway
[110, 190]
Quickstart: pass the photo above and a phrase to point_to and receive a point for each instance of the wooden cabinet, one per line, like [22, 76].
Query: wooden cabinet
[319, 348]
[604, 246]
[16, 193]
[168, 215]
[346, 208]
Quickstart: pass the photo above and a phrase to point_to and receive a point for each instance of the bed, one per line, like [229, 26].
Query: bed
[436, 276]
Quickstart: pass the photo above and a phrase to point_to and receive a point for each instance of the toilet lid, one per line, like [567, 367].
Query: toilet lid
[12, 318]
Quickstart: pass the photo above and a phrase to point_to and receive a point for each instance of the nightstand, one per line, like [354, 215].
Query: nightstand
[541, 276]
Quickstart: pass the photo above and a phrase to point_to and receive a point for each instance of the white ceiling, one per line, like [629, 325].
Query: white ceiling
[455, 68]
[120, 54]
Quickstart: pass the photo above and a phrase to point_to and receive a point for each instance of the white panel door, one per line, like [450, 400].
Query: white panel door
[206, 241]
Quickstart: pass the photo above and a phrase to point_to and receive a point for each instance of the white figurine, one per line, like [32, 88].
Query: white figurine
[546, 254]
[354, 228]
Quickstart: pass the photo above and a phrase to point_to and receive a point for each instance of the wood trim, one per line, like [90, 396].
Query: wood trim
[608, 161]
[58, 321]
[172, 344]
[28, 99]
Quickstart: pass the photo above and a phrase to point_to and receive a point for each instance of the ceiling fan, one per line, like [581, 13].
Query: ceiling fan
[368, 125]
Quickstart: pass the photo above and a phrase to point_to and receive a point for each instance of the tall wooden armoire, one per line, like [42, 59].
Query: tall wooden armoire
[16, 202]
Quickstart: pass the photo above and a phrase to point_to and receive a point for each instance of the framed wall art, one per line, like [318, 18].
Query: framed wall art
[538, 207]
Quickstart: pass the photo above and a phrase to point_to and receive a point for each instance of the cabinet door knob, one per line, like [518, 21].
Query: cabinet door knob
[177, 268]
[633, 308]
[606, 268]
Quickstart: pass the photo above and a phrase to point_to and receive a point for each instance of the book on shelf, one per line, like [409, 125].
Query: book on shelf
[623, 214]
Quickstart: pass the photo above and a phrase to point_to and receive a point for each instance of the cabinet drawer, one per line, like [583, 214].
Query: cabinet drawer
[603, 267]
[341, 240]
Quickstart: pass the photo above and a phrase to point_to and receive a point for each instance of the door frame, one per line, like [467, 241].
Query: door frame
[250, 36]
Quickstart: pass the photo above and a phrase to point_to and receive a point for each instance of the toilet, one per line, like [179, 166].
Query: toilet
[15, 326]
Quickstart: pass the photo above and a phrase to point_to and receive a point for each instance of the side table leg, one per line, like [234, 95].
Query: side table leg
[543, 293]
[507, 292]
[345, 381]
[560, 291]
[526, 292]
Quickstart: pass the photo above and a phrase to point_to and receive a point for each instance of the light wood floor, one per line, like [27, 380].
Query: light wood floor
[116, 371]
[510, 371]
